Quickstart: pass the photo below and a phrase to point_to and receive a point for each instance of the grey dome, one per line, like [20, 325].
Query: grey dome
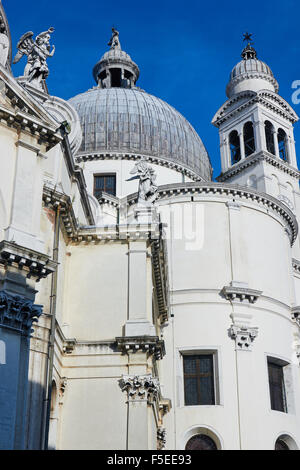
[249, 66]
[132, 121]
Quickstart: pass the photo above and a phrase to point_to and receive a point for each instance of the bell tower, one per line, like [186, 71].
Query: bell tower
[256, 130]
[255, 125]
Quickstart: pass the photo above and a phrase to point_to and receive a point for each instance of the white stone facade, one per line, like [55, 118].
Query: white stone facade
[130, 289]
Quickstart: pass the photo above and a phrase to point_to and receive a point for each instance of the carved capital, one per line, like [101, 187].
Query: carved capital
[18, 313]
[161, 438]
[141, 387]
[243, 336]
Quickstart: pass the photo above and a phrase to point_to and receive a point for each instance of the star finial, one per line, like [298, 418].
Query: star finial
[247, 37]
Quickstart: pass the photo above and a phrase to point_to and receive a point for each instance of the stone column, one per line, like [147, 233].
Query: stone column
[242, 144]
[16, 317]
[20, 268]
[138, 323]
[225, 153]
[142, 395]
[290, 143]
[276, 147]
[260, 136]
[244, 335]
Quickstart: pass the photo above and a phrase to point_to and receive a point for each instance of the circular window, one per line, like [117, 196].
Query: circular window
[281, 445]
[201, 442]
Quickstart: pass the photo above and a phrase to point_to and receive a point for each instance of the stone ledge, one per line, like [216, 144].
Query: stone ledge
[33, 263]
[235, 293]
[148, 344]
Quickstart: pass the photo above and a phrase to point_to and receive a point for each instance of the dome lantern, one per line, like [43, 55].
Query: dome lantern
[116, 69]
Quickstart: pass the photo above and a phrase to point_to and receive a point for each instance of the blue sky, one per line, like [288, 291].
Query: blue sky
[185, 49]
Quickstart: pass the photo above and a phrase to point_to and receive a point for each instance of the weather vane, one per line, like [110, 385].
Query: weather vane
[248, 37]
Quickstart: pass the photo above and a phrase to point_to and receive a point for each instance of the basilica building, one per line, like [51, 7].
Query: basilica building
[144, 305]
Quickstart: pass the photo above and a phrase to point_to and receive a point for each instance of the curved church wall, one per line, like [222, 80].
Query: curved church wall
[245, 245]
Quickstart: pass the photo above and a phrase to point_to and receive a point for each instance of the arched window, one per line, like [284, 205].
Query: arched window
[282, 145]
[269, 130]
[201, 442]
[285, 442]
[281, 445]
[235, 147]
[249, 140]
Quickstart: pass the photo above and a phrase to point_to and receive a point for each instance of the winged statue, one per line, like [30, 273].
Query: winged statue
[37, 52]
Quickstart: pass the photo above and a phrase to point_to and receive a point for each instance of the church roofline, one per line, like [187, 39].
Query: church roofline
[243, 193]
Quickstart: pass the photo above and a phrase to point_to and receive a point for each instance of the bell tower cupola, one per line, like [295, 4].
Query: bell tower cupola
[116, 69]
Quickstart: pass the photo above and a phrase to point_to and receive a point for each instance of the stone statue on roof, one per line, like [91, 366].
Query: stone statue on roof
[37, 52]
[147, 182]
[114, 42]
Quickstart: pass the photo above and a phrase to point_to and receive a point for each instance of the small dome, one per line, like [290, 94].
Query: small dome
[250, 65]
[251, 74]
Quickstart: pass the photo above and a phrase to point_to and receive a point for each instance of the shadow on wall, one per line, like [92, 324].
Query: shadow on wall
[34, 416]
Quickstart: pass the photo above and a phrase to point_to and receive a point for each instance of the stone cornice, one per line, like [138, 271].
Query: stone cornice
[240, 294]
[152, 231]
[77, 173]
[53, 198]
[24, 113]
[229, 190]
[255, 158]
[151, 345]
[265, 97]
[18, 313]
[33, 263]
[26, 122]
[177, 166]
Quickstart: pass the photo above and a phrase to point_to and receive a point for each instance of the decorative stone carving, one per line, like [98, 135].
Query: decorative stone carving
[141, 387]
[296, 314]
[62, 389]
[236, 293]
[69, 346]
[148, 344]
[147, 188]
[243, 336]
[37, 52]
[4, 47]
[18, 313]
[285, 200]
[161, 438]
[5, 40]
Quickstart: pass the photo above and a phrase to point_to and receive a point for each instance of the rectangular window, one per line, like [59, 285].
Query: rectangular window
[277, 386]
[104, 183]
[199, 383]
